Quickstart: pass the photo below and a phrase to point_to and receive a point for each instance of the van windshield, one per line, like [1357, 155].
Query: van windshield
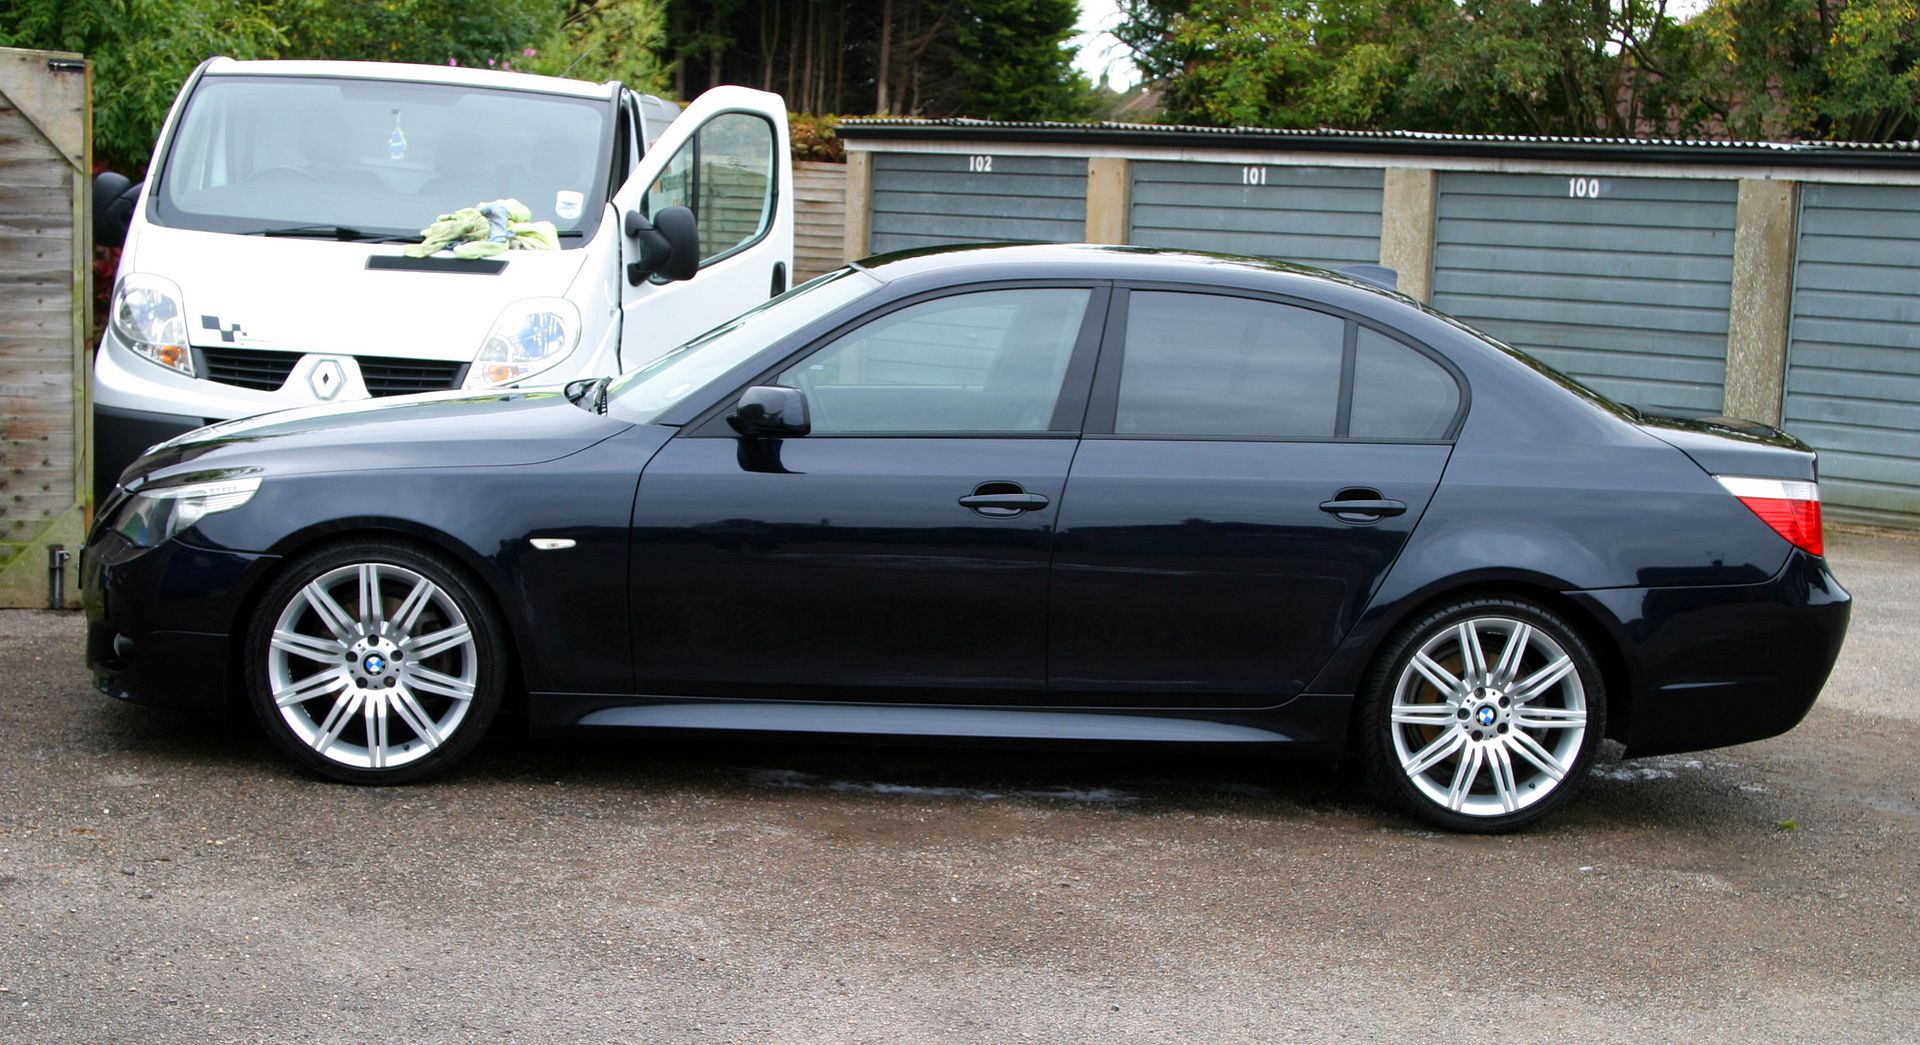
[379, 158]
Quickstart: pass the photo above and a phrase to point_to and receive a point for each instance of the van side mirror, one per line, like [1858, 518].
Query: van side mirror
[113, 198]
[771, 411]
[669, 245]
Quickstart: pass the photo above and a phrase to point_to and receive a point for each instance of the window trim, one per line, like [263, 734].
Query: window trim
[773, 185]
[1070, 404]
[1103, 411]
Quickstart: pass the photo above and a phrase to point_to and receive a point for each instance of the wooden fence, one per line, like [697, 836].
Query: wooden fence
[45, 295]
[819, 218]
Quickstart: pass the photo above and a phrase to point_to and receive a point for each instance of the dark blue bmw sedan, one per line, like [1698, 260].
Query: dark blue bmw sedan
[1070, 494]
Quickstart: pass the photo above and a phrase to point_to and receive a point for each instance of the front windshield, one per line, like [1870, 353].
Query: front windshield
[381, 157]
[642, 395]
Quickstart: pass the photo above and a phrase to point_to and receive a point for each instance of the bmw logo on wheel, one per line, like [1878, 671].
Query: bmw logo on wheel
[1486, 711]
[375, 663]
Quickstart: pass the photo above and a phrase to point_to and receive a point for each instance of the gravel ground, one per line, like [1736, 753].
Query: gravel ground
[165, 878]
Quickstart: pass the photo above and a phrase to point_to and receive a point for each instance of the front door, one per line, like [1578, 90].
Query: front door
[1250, 470]
[726, 159]
[900, 551]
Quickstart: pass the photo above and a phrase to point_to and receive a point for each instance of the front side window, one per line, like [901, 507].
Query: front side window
[1209, 365]
[381, 157]
[725, 176]
[991, 361]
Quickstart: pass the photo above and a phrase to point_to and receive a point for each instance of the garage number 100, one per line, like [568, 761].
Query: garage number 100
[1583, 188]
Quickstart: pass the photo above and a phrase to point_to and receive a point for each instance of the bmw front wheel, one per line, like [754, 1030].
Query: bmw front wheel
[1483, 715]
[375, 662]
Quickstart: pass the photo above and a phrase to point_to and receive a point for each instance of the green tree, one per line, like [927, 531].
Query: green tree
[605, 40]
[434, 32]
[1839, 69]
[142, 50]
[1015, 61]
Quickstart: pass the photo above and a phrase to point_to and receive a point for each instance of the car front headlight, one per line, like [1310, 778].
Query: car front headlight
[152, 515]
[149, 317]
[530, 336]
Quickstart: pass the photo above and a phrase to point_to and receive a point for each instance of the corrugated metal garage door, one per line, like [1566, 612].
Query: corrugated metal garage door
[927, 199]
[1853, 361]
[1328, 216]
[1624, 283]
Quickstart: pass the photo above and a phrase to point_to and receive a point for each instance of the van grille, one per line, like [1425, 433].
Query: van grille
[398, 377]
[384, 375]
[248, 367]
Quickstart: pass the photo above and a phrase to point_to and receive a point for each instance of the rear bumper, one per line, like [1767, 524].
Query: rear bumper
[160, 621]
[1713, 666]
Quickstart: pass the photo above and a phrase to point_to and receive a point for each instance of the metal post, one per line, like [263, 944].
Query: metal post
[57, 556]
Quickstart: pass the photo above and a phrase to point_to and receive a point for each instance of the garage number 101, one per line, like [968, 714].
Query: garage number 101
[1583, 188]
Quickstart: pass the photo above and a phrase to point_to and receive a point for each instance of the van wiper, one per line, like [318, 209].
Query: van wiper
[342, 233]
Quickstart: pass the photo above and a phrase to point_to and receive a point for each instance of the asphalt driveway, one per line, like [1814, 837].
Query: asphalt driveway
[166, 878]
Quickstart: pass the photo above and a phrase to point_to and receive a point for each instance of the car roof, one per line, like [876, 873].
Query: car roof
[991, 261]
[402, 71]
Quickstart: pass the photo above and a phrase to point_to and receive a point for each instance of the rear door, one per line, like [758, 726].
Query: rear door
[725, 158]
[1250, 469]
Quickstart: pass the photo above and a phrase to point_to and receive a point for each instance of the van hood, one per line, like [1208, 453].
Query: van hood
[434, 430]
[318, 295]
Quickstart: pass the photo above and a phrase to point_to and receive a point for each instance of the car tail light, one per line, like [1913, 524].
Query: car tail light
[1790, 506]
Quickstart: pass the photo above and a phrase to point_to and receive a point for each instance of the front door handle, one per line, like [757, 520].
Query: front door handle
[1002, 500]
[1368, 510]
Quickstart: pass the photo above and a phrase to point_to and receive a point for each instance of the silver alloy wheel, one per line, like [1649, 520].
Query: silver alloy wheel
[372, 665]
[1488, 738]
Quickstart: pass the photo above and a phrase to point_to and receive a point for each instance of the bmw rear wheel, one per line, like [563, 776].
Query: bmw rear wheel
[375, 663]
[1483, 715]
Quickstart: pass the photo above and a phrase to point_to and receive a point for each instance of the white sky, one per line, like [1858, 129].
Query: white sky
[1100, 52]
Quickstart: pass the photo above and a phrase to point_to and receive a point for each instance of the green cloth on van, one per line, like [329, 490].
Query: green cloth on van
[484, 230]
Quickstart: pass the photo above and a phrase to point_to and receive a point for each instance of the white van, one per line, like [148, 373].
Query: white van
[263, 266]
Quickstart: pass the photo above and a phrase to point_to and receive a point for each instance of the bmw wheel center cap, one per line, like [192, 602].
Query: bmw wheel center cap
[375, 663]
[1486, 715]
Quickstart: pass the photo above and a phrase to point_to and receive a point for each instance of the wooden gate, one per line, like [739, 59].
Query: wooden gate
[45, 306]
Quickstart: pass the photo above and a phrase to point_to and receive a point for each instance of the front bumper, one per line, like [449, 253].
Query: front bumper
[1713, 666]
[164, 624]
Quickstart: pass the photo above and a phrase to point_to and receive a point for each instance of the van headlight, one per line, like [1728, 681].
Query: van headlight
[530, 336]
[148, 316]
[156, 513]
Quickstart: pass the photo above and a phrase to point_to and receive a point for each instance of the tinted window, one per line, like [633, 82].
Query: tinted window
[725, 176]
[987, 362]
[1399, 393]
[1202, 364]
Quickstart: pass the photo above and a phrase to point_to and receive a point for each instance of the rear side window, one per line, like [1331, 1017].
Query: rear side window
[1207, 365]
[1399, 393]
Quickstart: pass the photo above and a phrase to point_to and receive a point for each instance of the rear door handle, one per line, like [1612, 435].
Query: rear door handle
[1364, 510]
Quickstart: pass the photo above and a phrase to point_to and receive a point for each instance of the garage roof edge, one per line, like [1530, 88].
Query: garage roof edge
[1904, 155]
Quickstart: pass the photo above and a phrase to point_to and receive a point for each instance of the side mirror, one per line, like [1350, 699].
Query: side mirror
[113, 199]
[772, 411]
[669, 245]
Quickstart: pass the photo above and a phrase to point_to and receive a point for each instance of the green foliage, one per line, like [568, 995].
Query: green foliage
[1845, 69]
[605, 40]
[1758, 68]
[469, 32]
[1014, 58]
[142, 50]
[815, 138]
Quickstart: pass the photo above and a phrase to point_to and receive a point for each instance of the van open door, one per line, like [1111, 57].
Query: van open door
[726, 159]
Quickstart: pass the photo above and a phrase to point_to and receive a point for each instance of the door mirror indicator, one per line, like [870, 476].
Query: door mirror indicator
[669, 245]
[113, 198]
[771, 411]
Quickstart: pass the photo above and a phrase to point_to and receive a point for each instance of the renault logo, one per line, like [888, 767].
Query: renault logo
[325, 379]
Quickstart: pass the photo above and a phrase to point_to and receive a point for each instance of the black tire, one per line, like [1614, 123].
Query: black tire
[1490, 718]
[410, 694]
